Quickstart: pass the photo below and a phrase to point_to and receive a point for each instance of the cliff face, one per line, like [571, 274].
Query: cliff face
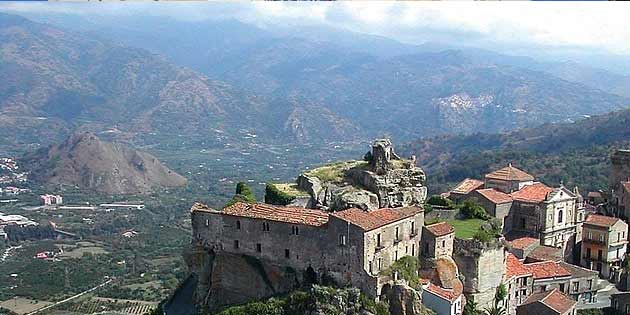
[86, 162]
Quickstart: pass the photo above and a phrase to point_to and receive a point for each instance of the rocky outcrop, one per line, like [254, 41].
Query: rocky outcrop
[385, 181]
[405, 300]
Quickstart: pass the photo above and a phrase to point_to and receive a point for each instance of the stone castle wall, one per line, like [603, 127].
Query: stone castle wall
[482, 267]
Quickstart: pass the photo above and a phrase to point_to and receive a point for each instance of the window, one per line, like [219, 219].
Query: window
[238, 224]
[287, 254]
[617, 252]
[207, 222]
[590, 284]
[342, 240]
[380, 263]
[397, 233]
[618, 236]
[413, 227]
[265, 226]
[413, 249]
[236, 244]
[560, 213]
[395, 255]
[599, 254]
[259, 248]
[588, 252]
[378, 240]
[295, 230]
[562, 287]
[590, 235]
[407, 250]
[601, 237]
[443, 243]
[370, 267]
[576, 286]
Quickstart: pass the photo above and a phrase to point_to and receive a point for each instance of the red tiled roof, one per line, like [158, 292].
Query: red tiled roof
[532, 193]
[547, 269]
[495, 196]
[510, 173]
[440, 229]
[545, 253]
[524, 242]
[467, 185]
[553, 299]
[601, 220]
[515, 268]
[295, 215]
[374, 219]
[447, 294]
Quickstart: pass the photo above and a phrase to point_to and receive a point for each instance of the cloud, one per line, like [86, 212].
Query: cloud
[577, 25]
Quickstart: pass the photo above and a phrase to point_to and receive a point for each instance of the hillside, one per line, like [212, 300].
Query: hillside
[575, 153]
[364, 86]
[86, 162]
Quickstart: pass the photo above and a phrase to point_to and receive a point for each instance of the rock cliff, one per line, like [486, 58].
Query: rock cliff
[384, 180]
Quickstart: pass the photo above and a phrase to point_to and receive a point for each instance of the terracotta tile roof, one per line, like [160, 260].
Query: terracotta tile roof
[532, 193]
[374, 219]
[295, 215]
[545, 253]
[554, 299]
[547, 269]
[524, 242]
[467, 185]
[515, 267]
[448, 294]
[495, 196]
[601, 220]
[440, 228]
[510, 173]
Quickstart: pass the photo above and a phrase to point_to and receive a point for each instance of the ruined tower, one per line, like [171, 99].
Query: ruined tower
[382, 156]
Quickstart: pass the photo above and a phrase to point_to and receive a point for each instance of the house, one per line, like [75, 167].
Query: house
[442, 288]
[464, 188]
[437, 240]
[352, 246]
[552, 213]
[519, 281]
[604, 242]
[496, 203]
[549, 275]
[552, 302]
[48, 200]
[620, 302]
[583, 285]
[508, 179]
[523, 246]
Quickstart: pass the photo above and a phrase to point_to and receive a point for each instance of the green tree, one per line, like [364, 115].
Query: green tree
[243, 194]
[471, 308]
[471, 208]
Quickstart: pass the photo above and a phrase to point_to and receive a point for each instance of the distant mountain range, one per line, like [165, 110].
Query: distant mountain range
[573, 153]
[86, 162]
[276, 86]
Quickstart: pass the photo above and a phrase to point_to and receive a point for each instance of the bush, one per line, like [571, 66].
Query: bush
[407, 268]
[276, 197]
[471, 209]
[368, 156]
[243, 194]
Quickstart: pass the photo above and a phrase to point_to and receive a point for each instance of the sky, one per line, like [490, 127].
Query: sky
[595, 26]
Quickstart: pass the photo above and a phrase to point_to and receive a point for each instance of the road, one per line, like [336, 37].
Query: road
[72, 297]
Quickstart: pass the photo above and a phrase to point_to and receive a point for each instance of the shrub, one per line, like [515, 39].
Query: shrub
[243, 194]
[471, 208]
[407, 268]
[276, 197]
[368, 156]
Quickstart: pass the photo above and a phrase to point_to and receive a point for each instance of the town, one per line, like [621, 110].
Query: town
[505, 242]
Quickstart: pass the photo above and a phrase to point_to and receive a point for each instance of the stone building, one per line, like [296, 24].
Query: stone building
[551, 213]
[583, 285]
[620, 172]
[437, 240]
[552, 302]
[278, 248]
[620, 302]
[497, 203]
[621, 199]
[604, 242]
[519, 281]
[464, 188]
[508, 179]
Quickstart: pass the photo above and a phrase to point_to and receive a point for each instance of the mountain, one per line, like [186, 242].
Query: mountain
[86, 162]
[254, 81]
[54, 81]
[574, 153]
[371, 84]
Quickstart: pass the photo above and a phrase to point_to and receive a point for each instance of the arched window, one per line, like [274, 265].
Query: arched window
[238, 224]
[560, 216]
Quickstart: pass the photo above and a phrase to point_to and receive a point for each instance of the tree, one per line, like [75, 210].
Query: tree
[471, 308]
[472, 209]
[368, 156]
[243, 194]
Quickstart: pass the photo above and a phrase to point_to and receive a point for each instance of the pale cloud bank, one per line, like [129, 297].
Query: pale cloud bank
[590, 25]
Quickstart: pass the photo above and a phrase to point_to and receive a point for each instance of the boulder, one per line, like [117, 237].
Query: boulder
[405, 300]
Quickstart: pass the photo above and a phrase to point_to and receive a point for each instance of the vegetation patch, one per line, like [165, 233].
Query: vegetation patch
[335, 173]
[466, 228]
[275, 196]
[407, 268]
